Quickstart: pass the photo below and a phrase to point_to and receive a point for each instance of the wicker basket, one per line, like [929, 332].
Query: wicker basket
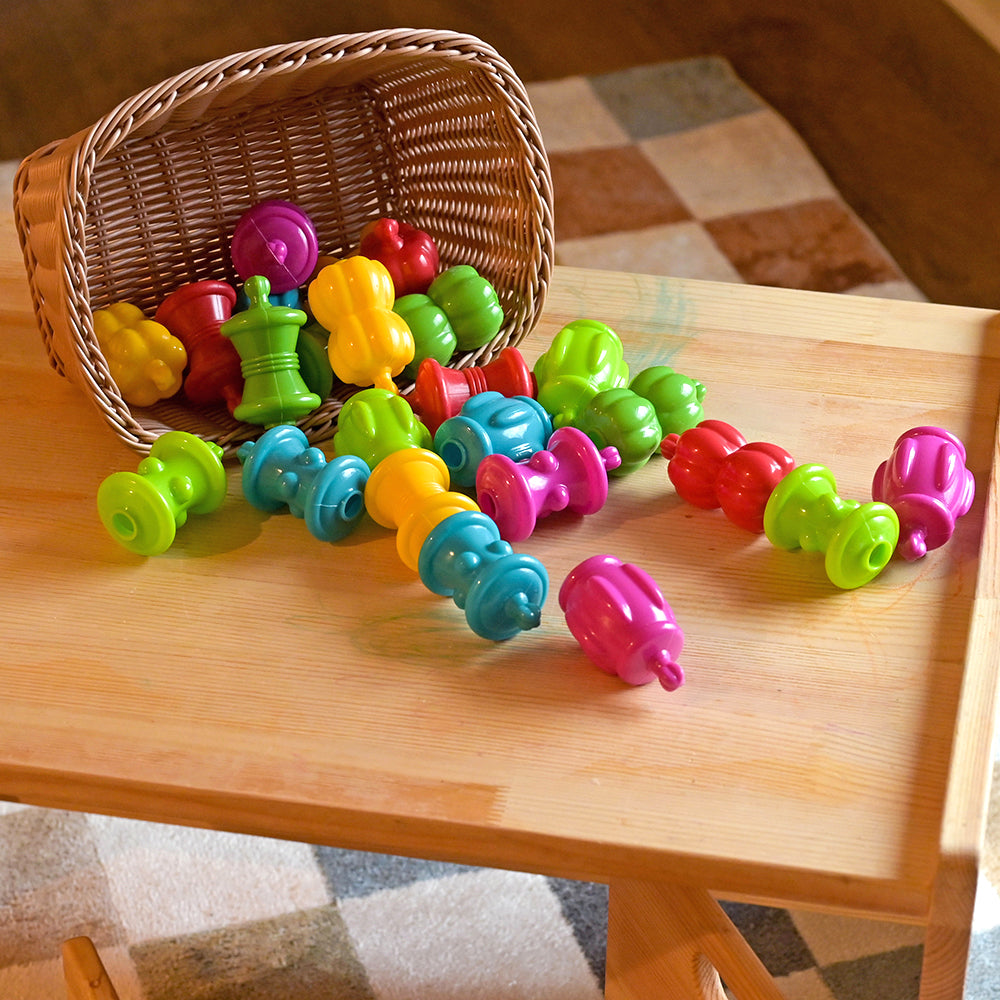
[430, 127]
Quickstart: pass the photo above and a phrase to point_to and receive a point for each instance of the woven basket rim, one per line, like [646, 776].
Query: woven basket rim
[117, 124]
[157, 108]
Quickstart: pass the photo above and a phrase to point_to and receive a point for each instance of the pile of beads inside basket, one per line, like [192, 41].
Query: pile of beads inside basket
[374, 315]
[518, 444]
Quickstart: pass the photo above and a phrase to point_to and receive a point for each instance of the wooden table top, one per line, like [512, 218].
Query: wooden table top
[255, 679]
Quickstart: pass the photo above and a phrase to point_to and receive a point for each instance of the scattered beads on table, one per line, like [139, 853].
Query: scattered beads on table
[529, 441]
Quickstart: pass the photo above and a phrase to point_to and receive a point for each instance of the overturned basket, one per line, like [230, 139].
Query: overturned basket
[430, 127]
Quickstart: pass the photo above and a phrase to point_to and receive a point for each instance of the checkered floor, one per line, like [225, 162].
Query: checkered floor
[674, 169]
[678, 168]
[207, 915]
[211, 916]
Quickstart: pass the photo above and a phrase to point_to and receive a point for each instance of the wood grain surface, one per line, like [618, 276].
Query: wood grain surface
[829, 748]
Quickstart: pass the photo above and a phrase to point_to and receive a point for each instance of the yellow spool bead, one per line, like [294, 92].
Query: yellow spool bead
[408, 491]
[369, 343]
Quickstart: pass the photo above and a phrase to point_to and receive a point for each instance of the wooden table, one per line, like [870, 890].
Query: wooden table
[829, 749]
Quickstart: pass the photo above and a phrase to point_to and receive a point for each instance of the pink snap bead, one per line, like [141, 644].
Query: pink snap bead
[278, 240]
[569, 474]
[927, 484]
[619, 616]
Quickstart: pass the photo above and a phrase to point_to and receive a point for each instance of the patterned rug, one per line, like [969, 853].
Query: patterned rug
[674, 168]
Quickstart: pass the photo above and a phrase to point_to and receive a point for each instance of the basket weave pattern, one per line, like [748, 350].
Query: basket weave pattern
[430, 127]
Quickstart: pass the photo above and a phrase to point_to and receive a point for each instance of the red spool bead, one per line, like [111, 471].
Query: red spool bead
[695, 457]
[747, 479]
[194, 314]
[440, 392]
[712, 465]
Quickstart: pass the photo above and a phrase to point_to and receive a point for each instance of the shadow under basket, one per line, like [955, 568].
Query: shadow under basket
[430, 127]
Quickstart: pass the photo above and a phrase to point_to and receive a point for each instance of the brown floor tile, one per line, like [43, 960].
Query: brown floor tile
[815, 244]
[608, 190]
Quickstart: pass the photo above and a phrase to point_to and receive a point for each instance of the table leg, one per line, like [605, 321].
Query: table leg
[676, 941]
[946, 945]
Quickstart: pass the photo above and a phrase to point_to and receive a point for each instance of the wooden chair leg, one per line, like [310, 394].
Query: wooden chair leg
[676, 941]
[86, 977]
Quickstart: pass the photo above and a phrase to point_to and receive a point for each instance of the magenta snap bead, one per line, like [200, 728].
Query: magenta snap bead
[927, 484]
[621, 620]
[569, 474]
[278, 240]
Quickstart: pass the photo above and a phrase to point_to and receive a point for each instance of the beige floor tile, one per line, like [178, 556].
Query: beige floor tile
[518, 947]
[682, 250]
[168, 880]
[742, 164]
[571, 117]
[805, 985]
